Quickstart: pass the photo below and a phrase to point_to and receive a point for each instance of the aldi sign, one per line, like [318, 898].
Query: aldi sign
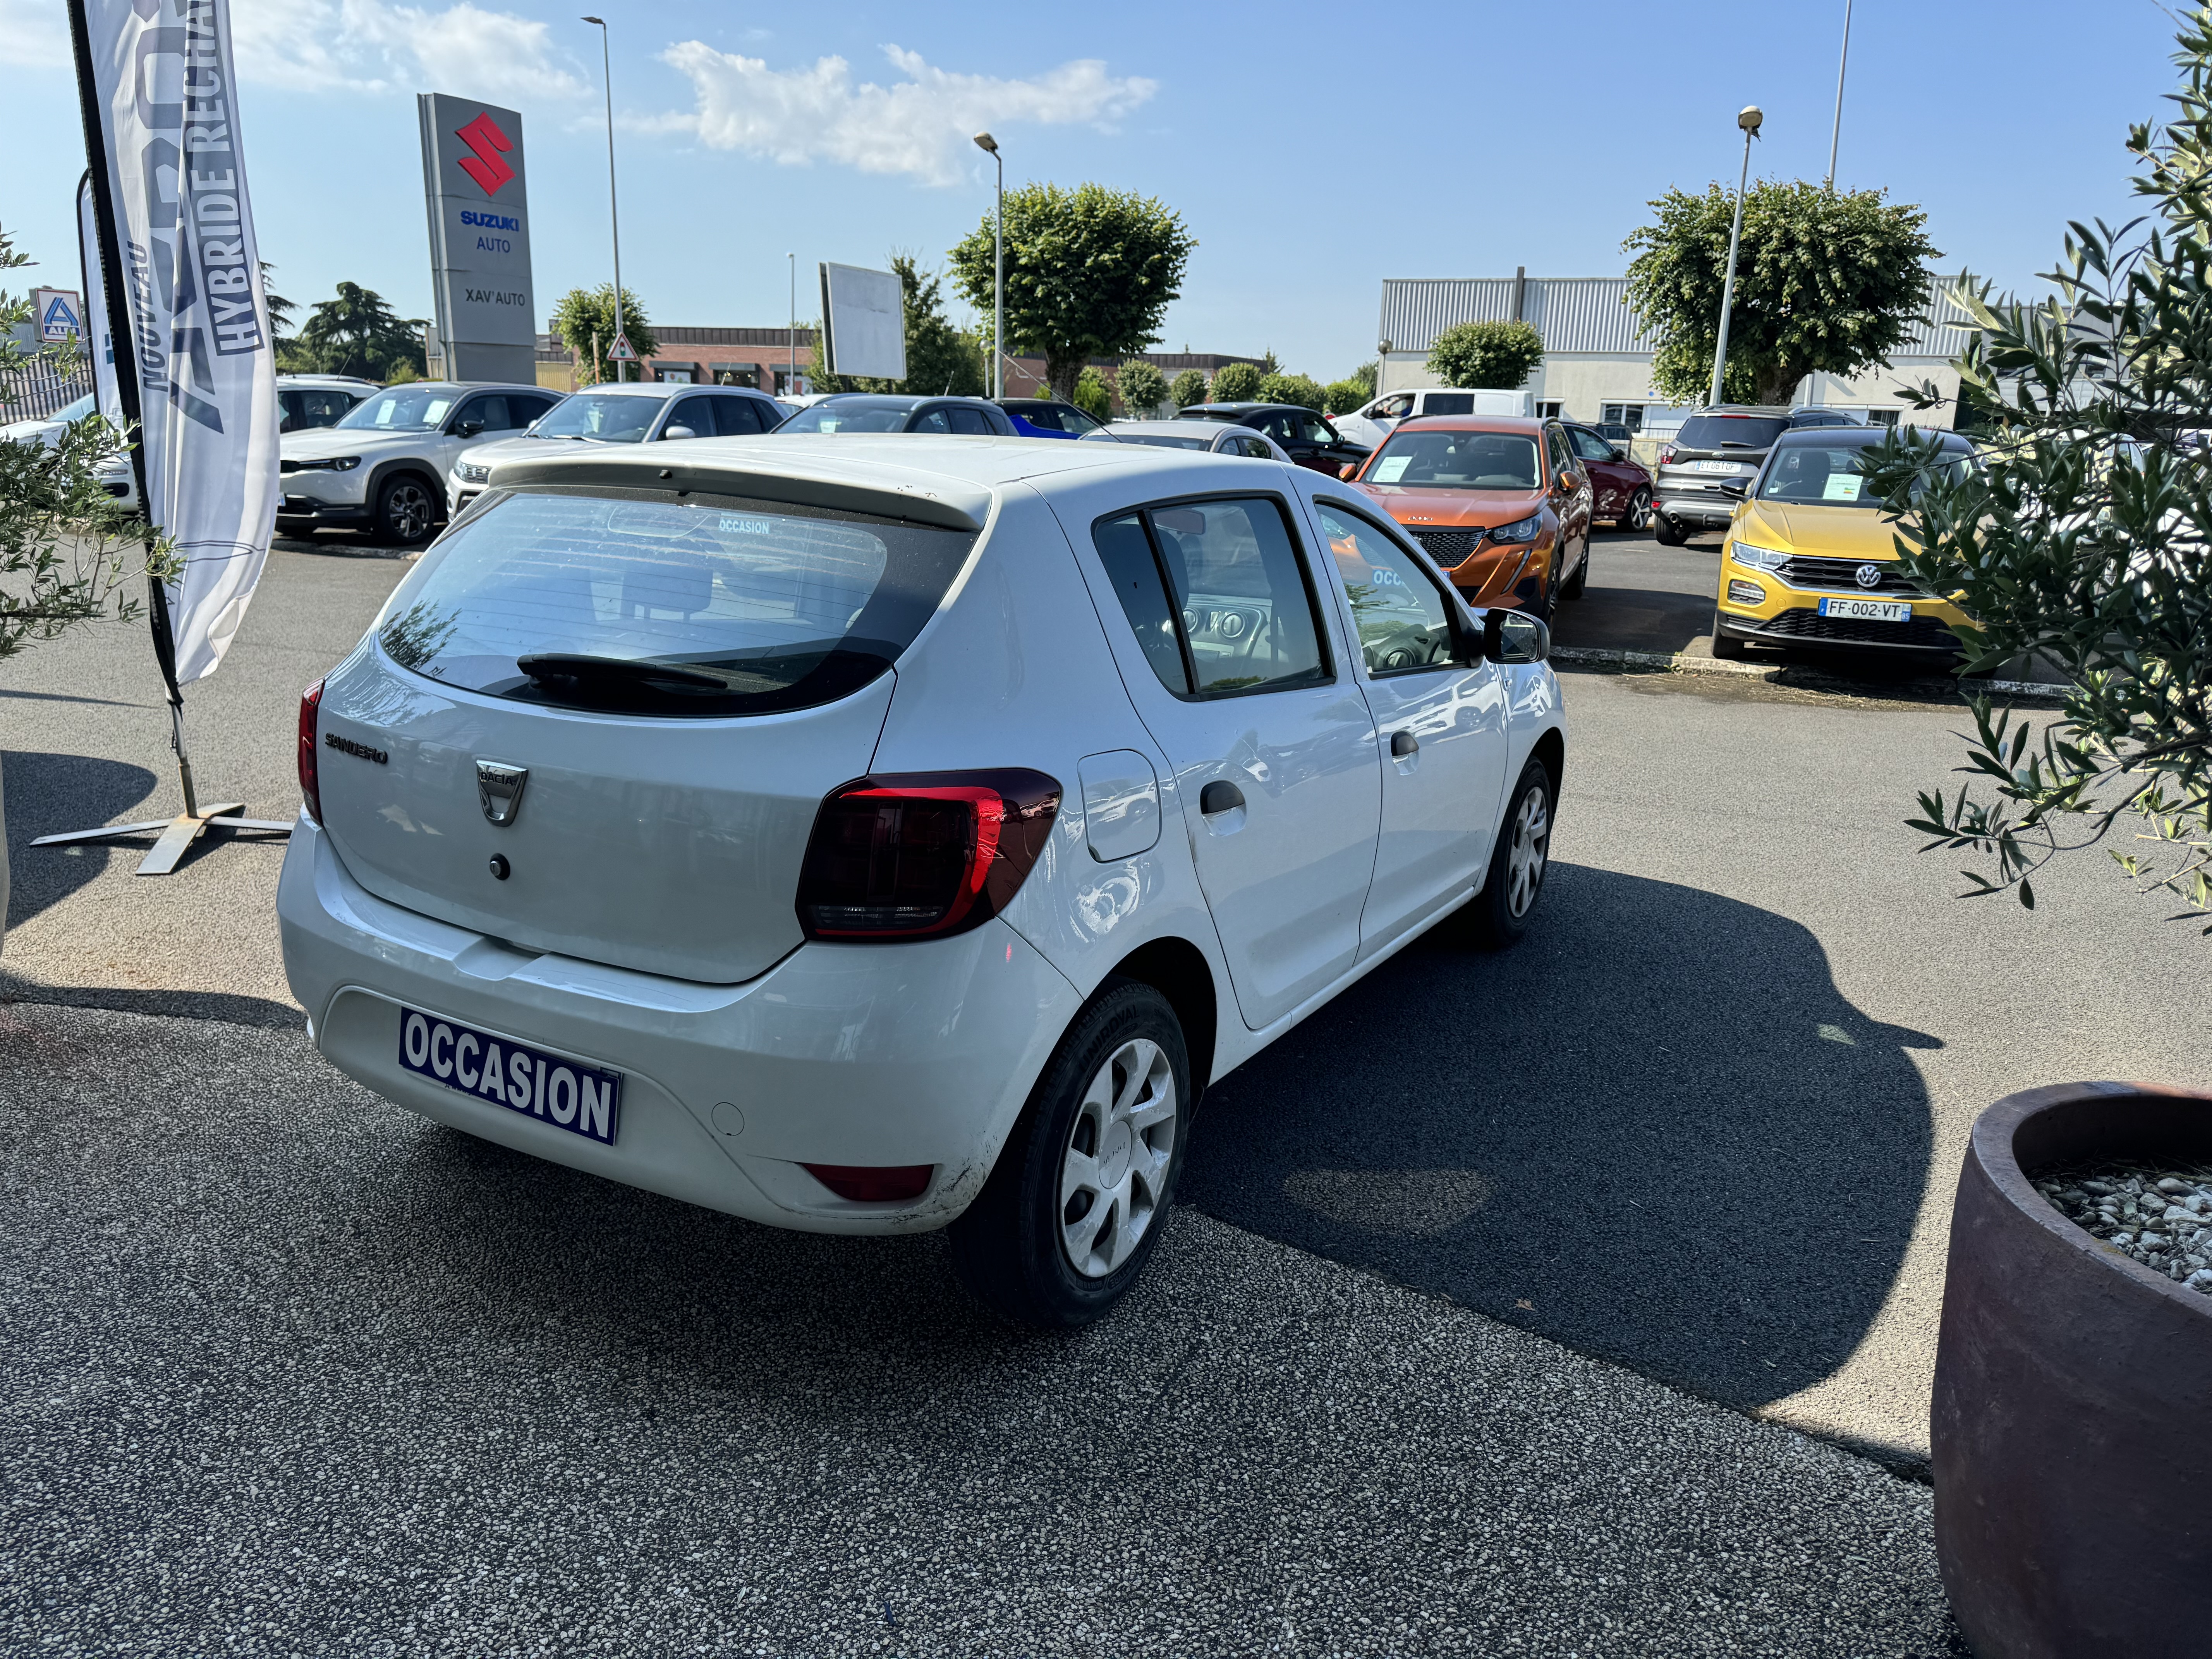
[475, 187]
[60, 314]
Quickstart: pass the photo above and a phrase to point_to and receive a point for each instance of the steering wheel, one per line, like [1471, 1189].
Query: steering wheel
[1405, 648]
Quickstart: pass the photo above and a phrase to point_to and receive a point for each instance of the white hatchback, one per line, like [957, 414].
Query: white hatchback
[871, 834]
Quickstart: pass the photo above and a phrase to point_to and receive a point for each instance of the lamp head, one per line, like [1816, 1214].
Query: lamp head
[985, 142]
[601, 22]
[1750, 117]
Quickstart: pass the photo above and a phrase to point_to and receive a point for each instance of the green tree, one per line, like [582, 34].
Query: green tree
[1497, 355]
[584, 321]
[1093, 395]
[1830, 282]
[940, 360]
[1342, 396]
[357, 333]
[68, 551]
[1089, 272]
[1189, 388]
[1300, 389]
[280, 308]
[1142, 386]
[2083, 534]
[1236, 383]
[1364, 375]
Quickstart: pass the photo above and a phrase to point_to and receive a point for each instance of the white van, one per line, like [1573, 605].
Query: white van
[1373, 423]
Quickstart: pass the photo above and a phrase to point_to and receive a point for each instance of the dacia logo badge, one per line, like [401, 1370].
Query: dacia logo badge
[1869, 575]
[499, 786]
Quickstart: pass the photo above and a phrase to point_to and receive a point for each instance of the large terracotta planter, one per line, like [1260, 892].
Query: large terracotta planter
[2072, 1430]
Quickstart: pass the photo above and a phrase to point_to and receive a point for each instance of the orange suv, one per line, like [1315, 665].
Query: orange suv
[1500, 502]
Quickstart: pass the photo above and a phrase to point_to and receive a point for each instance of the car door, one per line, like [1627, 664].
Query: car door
[1571, 500]
[482, 418]
[1611, 480]
[1440, 723]
[1237, 671]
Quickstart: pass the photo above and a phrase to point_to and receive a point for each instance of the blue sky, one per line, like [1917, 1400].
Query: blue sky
[1313, 151]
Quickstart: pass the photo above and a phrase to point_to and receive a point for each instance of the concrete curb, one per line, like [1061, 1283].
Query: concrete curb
[1680, 662]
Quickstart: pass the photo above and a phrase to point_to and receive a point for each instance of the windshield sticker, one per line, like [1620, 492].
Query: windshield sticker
[1391, 468]
[1843, 487]
[733, 524]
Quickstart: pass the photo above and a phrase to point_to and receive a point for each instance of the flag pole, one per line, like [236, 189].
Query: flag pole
[177, 834]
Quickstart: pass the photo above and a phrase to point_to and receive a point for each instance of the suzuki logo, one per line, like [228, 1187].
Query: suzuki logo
[484, 136]
[1869, 575]
[499, 786]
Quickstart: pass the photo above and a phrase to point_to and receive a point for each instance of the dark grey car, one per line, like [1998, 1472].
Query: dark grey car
[1723, 444]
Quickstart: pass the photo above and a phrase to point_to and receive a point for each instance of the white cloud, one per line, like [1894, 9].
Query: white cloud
[921, 125]
[34, 34]
[373, 46]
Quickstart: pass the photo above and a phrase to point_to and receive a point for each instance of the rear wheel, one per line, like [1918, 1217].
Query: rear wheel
[405, 513]
[1075, 1204]
[1666, 533]
[1727, 647]
[1500, 913]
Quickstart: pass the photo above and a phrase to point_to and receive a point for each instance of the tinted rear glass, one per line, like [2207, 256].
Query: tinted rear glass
[853, 414]
[1730, 431]
[1165, 441]
[574, 599]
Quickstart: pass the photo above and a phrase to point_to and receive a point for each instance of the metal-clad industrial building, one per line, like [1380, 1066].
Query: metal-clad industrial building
[1597, 365]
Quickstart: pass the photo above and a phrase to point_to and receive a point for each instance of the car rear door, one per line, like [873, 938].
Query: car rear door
[1238, 671]
[1439, 712]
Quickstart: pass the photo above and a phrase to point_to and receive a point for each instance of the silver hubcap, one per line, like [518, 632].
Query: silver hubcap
[1114, 1174]
[410, 510]
[1524, 857]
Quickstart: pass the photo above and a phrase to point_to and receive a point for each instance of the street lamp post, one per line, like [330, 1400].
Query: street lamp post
[1836, 132]
[1749, 120]
[984, 141]
[614, 217]
[791, 335]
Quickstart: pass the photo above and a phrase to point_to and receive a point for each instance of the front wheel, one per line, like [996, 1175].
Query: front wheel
[405, 514]
[1639, 509]
[1500, 913]
[1572, 587]
[1725, 647]
[1075, 1204]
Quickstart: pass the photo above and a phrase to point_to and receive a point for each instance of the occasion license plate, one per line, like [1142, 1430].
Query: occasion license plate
[585, 1100]
[1866, 610]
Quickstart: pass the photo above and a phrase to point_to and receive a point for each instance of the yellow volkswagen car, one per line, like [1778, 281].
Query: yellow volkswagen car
[1810, 561]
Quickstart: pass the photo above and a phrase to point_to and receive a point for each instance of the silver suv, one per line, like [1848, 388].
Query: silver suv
[1722, 445]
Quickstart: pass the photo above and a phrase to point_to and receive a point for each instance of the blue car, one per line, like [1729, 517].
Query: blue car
[1047, 417]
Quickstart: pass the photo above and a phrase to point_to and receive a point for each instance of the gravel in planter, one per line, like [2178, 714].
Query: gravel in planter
[2159, 1216]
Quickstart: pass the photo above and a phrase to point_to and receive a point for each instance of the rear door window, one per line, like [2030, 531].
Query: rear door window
[969, 421]
[736, 417]
[1227, 586]
[699, 607]
[1448, 403]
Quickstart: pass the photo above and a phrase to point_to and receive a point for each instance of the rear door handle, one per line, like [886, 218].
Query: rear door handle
[1402, 744]
[1219, 796]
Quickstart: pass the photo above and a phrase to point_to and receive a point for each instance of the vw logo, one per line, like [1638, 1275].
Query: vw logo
[1869, 575]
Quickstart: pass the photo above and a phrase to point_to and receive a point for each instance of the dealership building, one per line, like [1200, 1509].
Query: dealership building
[1597, 364]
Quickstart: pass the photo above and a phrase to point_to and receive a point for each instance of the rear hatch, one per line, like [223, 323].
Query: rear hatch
[1711, 450]
[635, 704]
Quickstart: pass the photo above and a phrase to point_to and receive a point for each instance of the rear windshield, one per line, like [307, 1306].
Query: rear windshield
[1456, 460]
[1165, 441]
[852, 414]
[1730, 431]
[666, 608]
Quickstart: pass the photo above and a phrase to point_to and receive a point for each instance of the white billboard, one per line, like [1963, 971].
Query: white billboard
[863, 322]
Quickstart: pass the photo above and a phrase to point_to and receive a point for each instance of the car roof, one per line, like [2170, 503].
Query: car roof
[346, 380]
[1804, 436]
[651, 388]
[1244, 409]
[947, 481]
[468, 386]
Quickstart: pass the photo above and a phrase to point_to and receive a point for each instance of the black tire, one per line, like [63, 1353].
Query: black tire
[1012, 1247]
[1639, 509]
[1499, 914]
[1727, 647]
[406, 511]
[1572, 588]
[1666, 533]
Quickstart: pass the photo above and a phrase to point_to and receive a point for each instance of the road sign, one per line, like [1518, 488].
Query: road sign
[620, 352]
[59, 315]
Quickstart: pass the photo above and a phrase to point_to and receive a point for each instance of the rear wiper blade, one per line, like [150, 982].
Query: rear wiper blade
[637, 671]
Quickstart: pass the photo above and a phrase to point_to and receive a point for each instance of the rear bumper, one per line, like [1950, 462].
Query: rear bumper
[1708, 512]
[849, 1055]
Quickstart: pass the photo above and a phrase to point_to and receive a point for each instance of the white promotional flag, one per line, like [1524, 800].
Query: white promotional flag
[160, 106]
[99, 342]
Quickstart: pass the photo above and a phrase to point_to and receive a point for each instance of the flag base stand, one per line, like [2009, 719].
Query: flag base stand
[174, 836]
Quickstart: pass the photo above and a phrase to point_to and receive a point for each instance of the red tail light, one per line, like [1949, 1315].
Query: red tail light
[311, 702]
[863, 1183]
[918, 855]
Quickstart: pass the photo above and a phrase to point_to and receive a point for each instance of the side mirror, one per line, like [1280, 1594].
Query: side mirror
[1347, 470]
[1735, 490]
[1620, 452]
[1514, 636]
[467, 428]
[677, 432]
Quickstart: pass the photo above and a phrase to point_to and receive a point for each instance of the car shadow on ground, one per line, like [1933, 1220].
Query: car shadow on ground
[47, 794]
[342, 544]
[1655, 1132]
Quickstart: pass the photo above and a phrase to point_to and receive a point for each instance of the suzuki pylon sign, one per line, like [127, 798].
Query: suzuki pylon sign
[476, 187]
